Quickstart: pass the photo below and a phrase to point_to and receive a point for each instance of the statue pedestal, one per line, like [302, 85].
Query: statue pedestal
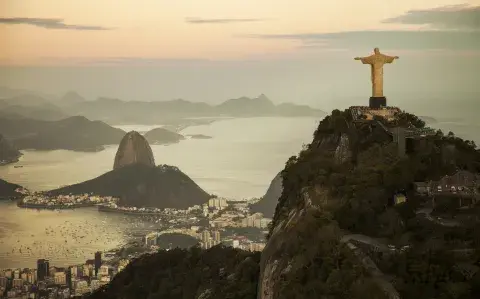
[377, 102]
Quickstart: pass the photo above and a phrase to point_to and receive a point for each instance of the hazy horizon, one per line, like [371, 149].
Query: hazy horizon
[214, 51]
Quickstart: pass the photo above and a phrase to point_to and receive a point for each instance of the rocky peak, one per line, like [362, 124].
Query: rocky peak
[342, 152]
[72, 97]
[133, 149]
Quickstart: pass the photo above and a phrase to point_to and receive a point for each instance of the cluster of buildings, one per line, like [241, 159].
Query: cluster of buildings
[463, 187]
[404, 137]
[113, 207]
[256, 220]
[65, 201]
[210, 239]
[366, 113]
[47, 281]
[244, 243]
[221, 216]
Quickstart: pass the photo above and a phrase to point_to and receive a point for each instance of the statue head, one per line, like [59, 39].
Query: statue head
[376, 50]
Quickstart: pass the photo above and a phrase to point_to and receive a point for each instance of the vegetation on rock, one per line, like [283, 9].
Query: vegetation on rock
[216, 273]
[143, 186]
[361, 191]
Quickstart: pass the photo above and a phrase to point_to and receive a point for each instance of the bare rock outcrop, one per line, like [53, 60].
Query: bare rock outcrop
[133, 149]
[342, 152]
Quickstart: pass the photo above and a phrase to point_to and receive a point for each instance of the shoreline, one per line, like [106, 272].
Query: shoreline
[10, 161]
[126, 212]
[54, 207]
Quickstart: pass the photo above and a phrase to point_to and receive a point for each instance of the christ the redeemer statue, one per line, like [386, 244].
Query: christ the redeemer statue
[376, 61]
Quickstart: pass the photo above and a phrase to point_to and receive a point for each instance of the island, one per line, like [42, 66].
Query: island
[162, 136]
[199, 136]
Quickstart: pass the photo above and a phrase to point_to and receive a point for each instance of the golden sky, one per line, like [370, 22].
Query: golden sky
[160, 29]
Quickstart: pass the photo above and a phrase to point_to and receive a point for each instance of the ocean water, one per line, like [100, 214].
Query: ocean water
[238, 162]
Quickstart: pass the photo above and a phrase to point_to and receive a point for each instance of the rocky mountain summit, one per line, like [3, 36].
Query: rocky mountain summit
[133, 149]
[355, 220]
[137, 182]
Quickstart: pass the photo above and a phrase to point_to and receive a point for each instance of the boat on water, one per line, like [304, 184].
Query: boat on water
[18, 166]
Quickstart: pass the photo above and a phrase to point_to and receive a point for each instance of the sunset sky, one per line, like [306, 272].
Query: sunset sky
[91, 31]
[211, 50]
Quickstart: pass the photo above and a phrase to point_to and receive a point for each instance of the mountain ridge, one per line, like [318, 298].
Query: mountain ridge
[72, 133]
[338, 202]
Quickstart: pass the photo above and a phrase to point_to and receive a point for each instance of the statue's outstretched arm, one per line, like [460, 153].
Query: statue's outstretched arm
[366, 60]
[390, 59]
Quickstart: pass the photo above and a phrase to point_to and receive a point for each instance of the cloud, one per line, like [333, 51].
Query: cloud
[49, 23]
[455, 27]
[220, 21]
[408, 40]
[117, 61]
[458, 17]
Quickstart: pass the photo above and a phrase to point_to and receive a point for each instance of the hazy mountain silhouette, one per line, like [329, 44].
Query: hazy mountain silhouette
[73, 133]
[71, 97]
[269, 201]
[150, 112]
[7, 190]
[115, 111]
[162, 136]
[8, 153]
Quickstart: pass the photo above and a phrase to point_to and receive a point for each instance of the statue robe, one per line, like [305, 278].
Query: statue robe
[376, 62]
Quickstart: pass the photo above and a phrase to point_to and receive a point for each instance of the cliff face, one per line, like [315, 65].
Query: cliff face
[133, 149]
[305, 242]
[342, 187]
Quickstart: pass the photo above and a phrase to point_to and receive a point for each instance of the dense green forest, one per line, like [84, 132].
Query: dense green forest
[216, 273]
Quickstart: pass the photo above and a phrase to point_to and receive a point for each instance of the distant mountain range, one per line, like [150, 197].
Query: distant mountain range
[25, 104]
[75, 133]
